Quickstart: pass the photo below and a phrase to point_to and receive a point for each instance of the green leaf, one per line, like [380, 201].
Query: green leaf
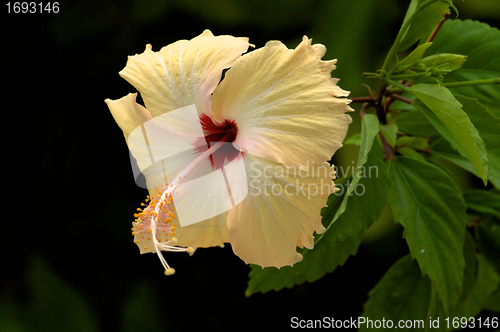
[426, 201]
[354, 140]
[390, 132]
[412, 58]
[56, 305]
[444, 61]
[423, 22]
[413, 142]
[12, 316]
[470, 269]
[343, 237]
[486, 282]
[373, 178]
[493, 302]
[483, 202]
[410, 153]
[488, 126]
[325, 257]
[414, 122]
[437, 65]
[481, 44]
[488, 239]
[403, 294]
[142, 310]
[442, 149]
[411, 10]
[453, 123]
[369, 129]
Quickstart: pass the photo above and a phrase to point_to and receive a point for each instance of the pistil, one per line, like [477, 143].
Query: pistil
[161, 217]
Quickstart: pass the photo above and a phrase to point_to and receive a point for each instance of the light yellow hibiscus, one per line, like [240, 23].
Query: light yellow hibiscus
[279, 107]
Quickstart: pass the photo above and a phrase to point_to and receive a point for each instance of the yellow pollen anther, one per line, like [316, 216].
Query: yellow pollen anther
[157, 216]
[169, 272]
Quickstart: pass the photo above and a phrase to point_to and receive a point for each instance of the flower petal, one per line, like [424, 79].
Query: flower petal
[183, 73]
[209, 233]
[281, 211]
[284, 104]
[127, 113]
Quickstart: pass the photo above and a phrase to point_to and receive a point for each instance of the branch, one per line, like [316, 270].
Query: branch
[403, 99]
[363, 109]
[362, 100]
[387, 148]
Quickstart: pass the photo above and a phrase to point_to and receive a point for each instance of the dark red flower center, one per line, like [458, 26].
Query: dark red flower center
[226, 132]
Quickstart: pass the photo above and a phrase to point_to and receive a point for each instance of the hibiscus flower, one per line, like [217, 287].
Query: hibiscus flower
[277, 114]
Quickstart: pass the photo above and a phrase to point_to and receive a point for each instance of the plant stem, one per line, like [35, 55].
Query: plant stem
[403, 99]
[471, 83]
[363, 109]
[380, 112]
[387, 148]
[402, 76]
[399, 87]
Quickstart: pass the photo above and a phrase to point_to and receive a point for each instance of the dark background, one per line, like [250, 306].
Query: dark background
[69, 261]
